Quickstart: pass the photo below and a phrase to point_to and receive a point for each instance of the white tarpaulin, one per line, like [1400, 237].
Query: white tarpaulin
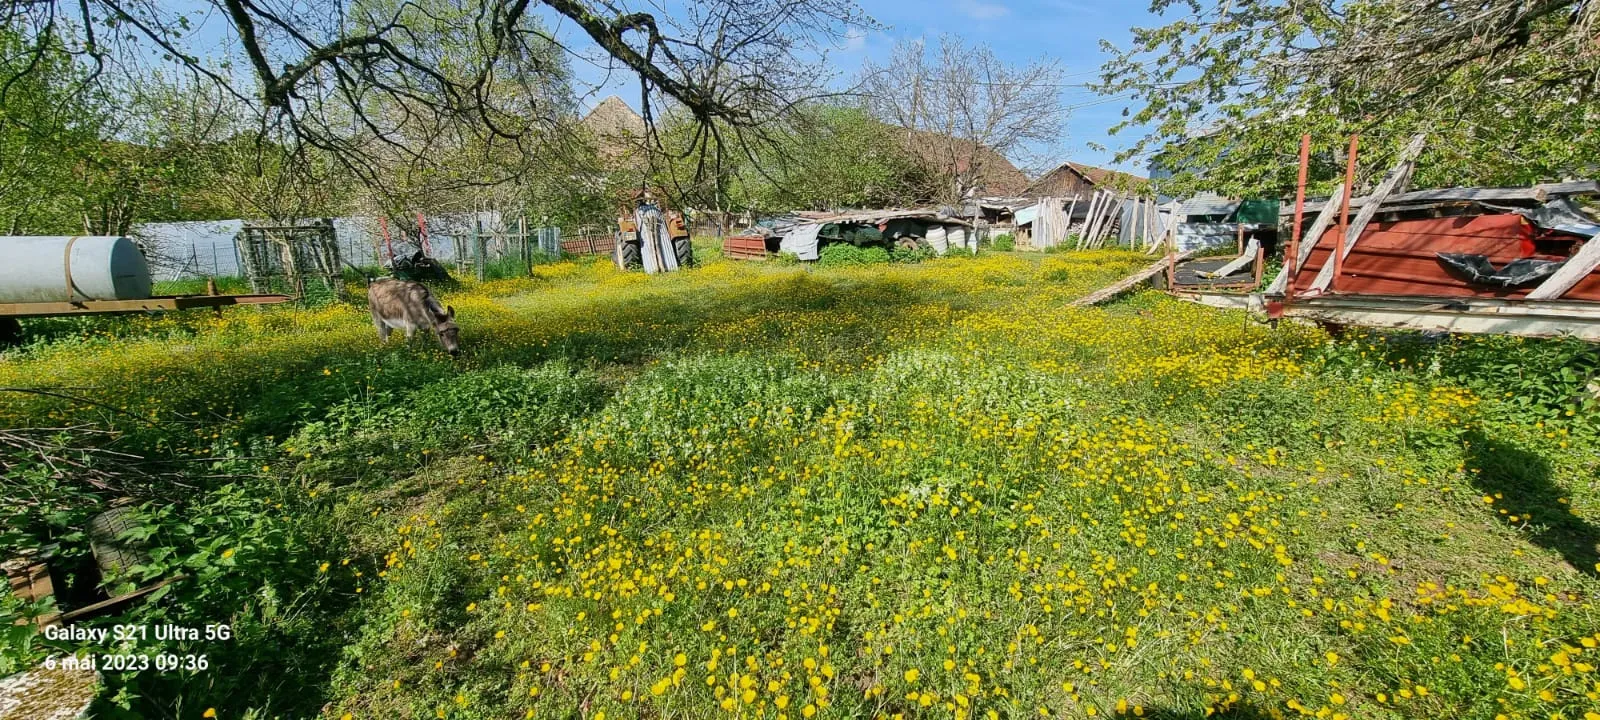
[656, 237]
[801, 241]
[1026, 216]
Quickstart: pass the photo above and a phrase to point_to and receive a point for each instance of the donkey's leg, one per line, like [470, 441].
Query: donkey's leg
[383, 329]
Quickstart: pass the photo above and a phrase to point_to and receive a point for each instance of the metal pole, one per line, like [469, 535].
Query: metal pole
[1344, 214]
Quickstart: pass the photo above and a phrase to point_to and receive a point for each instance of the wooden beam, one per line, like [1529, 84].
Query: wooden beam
[1538, 318]
[1113, 213]
[154, 304]
[1292, 254]
[1344, 209]
[1308, 243]
[1089, 219]
[1246, 255]
[1577, 268]
[1153, 219]
[1532, 194]
[1129, 282]
[89, 610]
[1393, 180]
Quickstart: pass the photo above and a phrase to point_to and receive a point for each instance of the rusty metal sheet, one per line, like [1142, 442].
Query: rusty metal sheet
[1400, 258]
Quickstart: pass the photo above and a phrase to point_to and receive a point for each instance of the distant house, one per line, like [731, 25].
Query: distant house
[1072, 178]
[953, 157]
[618, 131]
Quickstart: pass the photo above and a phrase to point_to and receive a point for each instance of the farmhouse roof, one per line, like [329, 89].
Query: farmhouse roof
[996, 174]
[615, 126]
[1096, 176]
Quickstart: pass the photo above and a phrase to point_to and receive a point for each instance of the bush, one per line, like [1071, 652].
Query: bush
[506, 408]
[842, 254]
[1003, 242]
[912, 255]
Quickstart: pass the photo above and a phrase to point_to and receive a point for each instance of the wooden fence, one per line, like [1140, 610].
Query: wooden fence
[589, 245]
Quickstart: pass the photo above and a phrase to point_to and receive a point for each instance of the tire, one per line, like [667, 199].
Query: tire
[114, 556]
[684, 249]
[10, 332]
[630, 255]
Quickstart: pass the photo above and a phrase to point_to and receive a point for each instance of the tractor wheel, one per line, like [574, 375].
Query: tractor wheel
[684, 250]
[631, 255]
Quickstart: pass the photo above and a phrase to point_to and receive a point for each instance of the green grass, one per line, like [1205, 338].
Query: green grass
[918, 490]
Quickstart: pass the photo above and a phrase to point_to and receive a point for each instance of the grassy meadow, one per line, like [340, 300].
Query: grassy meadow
[885, 491]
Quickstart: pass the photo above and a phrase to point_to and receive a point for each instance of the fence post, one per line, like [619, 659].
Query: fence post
[523, 252]
[479, 250]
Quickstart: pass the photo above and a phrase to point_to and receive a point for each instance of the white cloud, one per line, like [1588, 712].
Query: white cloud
[855, 39]
[979, 10]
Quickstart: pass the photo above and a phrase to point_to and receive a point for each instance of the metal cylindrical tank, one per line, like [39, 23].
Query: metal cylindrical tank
[50, 268]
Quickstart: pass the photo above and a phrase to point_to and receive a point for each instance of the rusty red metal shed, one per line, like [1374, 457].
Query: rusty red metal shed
[1400, 258]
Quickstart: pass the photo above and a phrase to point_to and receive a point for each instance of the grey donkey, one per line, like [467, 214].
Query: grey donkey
[408, 306]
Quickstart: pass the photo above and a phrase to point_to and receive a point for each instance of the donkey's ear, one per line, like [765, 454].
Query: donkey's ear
[450, 312]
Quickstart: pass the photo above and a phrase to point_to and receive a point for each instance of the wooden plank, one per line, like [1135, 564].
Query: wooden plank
[1467, 315]
[1089, 220]
[1128, 283]
[1577, 268]
[1068, 222]
[1245, 258]
[1445, 320]
[1168, 233]
[1152, 219]
[1308, 243]
[1393, 180]
[31, 582]
[1533, 194]
[1113, 216]
[89, 610]
[154, 304]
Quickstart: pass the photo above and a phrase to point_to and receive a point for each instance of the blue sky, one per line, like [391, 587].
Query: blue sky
[1067, 31]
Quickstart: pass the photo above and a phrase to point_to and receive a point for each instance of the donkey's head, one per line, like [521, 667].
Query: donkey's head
[447, 330]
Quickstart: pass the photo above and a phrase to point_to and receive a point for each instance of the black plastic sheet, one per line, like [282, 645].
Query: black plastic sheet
[1564, 216]
[1477, 270]
[418, 267]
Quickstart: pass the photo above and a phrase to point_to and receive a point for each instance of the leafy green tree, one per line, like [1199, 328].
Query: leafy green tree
[329, 75]
[822, 157]
[838, 156]
[1505, 89]
[42, 126]
[78, 159]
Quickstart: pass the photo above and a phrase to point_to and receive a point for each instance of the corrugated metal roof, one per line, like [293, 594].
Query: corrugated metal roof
[1208, 205]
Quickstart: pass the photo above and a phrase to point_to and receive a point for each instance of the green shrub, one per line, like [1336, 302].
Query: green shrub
[1003, 242]
[912, 255]
[507, 409]
[843, 254]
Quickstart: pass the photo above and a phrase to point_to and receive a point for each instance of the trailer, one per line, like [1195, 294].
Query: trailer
[52, 276]
[154, 304]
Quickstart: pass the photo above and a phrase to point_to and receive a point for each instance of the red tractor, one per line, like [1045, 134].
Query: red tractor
[671, 248]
